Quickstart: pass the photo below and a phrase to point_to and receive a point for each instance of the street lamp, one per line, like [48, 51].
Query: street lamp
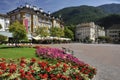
[79, 36]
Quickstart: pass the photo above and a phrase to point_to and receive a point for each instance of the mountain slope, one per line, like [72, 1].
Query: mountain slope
[109, 21]
[80, 14]
[110, 8]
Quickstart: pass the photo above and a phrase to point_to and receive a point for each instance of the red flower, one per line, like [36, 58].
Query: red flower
[23, 60]
[54, 78]
[27, 77]
[21, 71]
[43, 64]
[64, 77]
[32, 71]
[37, 47]
[28, 73]
[59, 75]
[33, 60]
[52, 67]
[48, 69]
[3, 66]
[43, 76]
[58, 64]
[1, 72]
[65, 66]
[12, 68]
[30, 67]
[64, 69]
[22, 75]
[32, 78]
[52, 75]
[22, 64]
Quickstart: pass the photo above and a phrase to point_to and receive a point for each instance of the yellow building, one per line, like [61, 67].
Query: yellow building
[33, 17]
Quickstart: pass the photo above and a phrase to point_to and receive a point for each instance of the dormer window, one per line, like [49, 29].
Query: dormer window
[40, 9]
[35, 8]
[49, 12]
[44, 14]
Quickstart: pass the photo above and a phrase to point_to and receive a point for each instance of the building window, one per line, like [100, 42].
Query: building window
[13, 17]
[18, 16]
[27, 15]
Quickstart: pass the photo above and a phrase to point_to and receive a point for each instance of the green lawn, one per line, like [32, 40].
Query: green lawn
[9, 52]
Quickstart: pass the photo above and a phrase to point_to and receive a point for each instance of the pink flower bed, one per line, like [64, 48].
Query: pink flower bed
[54, 53]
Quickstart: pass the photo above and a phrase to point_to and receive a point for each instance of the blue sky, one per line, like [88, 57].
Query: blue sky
[50, 5]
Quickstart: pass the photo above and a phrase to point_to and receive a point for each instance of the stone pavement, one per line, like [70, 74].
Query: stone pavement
[104, 57]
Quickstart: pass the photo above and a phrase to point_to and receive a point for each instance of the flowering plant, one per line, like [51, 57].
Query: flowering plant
[60, 55]
[32, 69]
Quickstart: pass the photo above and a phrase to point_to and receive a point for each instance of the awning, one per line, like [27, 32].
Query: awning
[5, 33]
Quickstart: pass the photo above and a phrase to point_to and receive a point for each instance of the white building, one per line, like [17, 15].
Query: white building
[99, 31]
[88, 30]
[114, 32]
[4, 22]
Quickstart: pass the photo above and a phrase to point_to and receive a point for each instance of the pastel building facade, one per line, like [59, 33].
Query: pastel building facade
[88, 30]
[114, 32]
[33, 18]
[4, 22]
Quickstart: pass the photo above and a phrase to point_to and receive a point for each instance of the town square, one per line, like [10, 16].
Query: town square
[59, 40]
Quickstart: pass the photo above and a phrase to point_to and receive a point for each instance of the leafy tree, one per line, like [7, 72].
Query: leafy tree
[42, 31]
[68, 33]
[18, 30]
[104, 38]
[88, 40]
[0, 26]
[2, 38]
[56, 32]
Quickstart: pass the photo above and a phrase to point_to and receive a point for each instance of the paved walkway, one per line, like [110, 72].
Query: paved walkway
[105, 57]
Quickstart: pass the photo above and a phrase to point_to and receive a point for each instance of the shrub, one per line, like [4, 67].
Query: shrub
[2, 38]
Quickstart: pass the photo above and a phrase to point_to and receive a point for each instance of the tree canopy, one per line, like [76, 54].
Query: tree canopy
[2, 38]
[68, 33]
[42, 31]
[18, 30]
[109, 21]
[56, 32]
[0, 26]
[79, 14]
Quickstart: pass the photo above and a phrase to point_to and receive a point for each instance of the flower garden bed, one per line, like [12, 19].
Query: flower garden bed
[53, 64]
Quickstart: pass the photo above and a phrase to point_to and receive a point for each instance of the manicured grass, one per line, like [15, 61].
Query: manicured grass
[15, 52]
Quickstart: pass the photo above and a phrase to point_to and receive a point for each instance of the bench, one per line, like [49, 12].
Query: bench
[68, 51]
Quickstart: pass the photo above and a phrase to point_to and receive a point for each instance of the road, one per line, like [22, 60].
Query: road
[104, 57]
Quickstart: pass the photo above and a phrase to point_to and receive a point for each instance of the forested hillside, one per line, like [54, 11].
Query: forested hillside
[104, 15]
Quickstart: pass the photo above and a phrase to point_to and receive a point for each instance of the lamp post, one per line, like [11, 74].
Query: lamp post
[79, 36]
